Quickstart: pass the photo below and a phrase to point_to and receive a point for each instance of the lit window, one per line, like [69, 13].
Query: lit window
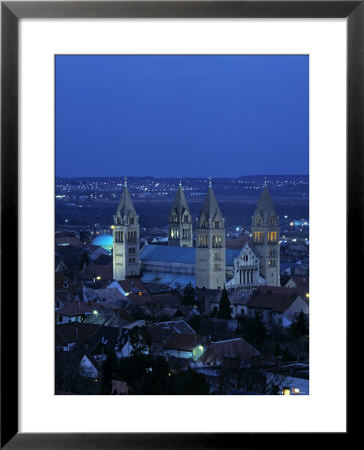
[258, 237]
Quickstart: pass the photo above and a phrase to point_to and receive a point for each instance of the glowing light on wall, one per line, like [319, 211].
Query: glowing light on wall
[197, 352]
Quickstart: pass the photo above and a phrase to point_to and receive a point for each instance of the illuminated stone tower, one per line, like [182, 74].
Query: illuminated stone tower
[180, 221]
[265, 230]
[126, 238]
[210, 245]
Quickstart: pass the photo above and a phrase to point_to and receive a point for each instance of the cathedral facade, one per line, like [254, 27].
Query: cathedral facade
[208, 264]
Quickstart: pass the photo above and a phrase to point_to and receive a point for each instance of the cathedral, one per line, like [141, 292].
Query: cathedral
[208, 264]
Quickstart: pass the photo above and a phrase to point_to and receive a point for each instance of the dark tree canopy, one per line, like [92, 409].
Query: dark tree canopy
[84, 259]
[299, 327]
[188, 298]
[109, 372]
[224, 306]
[140, 340]
[253, 330]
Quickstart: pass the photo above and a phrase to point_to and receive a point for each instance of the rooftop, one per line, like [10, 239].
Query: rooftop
[182, 255]
[277, 299]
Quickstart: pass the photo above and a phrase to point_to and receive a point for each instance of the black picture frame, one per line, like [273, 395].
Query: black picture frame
[11, 12]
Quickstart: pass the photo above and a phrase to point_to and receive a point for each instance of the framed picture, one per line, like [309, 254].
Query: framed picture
[38, 57]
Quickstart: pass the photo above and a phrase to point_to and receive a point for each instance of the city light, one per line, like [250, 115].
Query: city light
[197, 352]
[287, 260]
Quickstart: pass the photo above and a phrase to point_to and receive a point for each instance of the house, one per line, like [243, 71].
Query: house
[183, 345]
[67, 239]
[94, 339]
[238, 302]
[129, 286]
[112, 296]
[103, 260]
[60, 265]
[299, 283]
[119, 387]
[96, 252]
[276, 305]
[107, 339]
[188, 313]
[169, 299]
[64, 284]
[232, 353]
[95, 272]
[68, 335]
[159, 338]
[177, 326]
[157, 288]
[74, 312]
[89, 367]
[170, 339]
[110, 317]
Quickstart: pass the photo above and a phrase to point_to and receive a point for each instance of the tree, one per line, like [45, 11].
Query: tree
[299, 327]
[109, 371]
[253, 330]
[140, 340]
[224, 306]
[277, 349]
[195, 323]
[84, 259]
[189, 382]
[188, 298]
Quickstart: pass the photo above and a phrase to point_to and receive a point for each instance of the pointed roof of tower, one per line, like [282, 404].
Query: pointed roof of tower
[125, 206]
[265, 205]
[180, 204]
[210, 207]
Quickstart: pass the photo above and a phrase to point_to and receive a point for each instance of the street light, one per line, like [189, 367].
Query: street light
[96, 313]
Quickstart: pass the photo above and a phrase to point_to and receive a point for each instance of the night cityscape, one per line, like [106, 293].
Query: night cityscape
[180, 267]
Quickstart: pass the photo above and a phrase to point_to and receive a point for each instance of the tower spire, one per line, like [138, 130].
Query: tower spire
[126, 238]
[180, 221]
[265, 231]
[210, 207]
[210, 244]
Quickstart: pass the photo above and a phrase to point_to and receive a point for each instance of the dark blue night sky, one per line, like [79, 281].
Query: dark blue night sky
[181, 116]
